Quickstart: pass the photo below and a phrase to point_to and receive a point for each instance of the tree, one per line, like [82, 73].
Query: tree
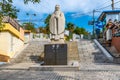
[79, 31]
[47, 23]
[29, 26]
[41, 29]
[7, 9]
[34, 1]
[70, 27]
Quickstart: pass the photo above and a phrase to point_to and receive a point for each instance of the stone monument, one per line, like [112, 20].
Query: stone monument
[57, 25]
[56, 51]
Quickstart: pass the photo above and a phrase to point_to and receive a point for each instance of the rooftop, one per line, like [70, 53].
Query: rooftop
[103, 14]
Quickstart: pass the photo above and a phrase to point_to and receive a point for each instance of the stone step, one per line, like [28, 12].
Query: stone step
[31, 53]
[35, 49]
[35, 46]
[53, 68]
[37, 58]
[31, 61]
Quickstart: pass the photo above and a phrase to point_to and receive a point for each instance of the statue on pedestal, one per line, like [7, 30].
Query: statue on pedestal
[57, 25]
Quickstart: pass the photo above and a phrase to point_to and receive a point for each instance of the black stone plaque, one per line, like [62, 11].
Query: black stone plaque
[55, 54]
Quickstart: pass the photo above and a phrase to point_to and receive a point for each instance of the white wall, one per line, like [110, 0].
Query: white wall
[5, 38]
[10, 43]
[17, 44]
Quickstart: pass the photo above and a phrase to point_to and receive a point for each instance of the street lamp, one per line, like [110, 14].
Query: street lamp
[30, 16]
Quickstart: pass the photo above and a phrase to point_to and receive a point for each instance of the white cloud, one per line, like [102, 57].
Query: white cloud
[76, 6]
[47, 6]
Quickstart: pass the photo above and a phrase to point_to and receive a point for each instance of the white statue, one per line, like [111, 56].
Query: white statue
[57, 24]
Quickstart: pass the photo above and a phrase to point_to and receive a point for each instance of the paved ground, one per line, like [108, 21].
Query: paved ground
[93, 66]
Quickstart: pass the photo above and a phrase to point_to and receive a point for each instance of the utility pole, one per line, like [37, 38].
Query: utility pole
[94, 35]
[93, 23]
[112, 5]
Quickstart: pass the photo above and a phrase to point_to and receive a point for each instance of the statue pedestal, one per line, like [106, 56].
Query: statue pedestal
[61, 54]
[55, 54]
[61, 41]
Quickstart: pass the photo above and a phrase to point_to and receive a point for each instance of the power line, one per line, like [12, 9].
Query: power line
[103, 3]
[36, 20]
[76, 15]
[107, 6]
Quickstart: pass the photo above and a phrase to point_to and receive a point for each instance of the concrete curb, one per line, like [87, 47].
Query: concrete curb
[106, 53]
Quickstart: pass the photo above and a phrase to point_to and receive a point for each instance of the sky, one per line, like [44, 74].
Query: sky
[78, 12]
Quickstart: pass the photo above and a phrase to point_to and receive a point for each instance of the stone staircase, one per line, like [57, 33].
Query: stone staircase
[31, 54]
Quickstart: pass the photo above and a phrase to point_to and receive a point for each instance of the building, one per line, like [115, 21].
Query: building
[114, 16]
[28, 36]
[11, 39]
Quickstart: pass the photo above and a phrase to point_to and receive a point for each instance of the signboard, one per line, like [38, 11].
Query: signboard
[90, 22]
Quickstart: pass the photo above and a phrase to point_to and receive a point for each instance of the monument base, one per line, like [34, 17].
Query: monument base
[60, 41]
[73, 54]
[55, 54]
[61, 54]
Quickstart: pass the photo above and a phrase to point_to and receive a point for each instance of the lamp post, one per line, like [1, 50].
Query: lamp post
[30, 18]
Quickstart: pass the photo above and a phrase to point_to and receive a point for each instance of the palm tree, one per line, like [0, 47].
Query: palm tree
[70, 27]
[29, 26]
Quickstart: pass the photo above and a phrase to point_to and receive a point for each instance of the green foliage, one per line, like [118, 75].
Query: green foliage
[47, 19]
[43, 30]
[73, 29]
[29, 26]
[79, 31]
[47, 24]
[34, 1]
[70, 27]
[70, 35]
[0, 21]
[1, 24]
[7, 9]
[67, 38]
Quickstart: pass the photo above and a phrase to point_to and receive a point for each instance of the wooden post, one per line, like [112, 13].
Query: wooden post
[112, 5]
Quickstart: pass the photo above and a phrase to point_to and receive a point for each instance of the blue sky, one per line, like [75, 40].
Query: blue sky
[78, 12]
[81, 21]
